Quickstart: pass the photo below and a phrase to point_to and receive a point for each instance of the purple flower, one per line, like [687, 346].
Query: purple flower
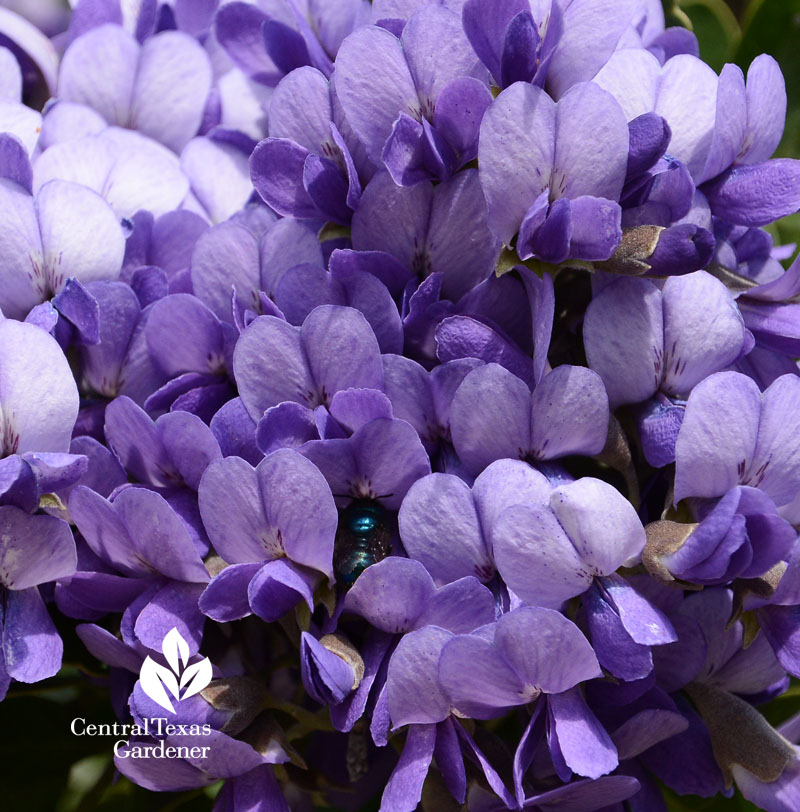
[231, 258]
[424, 230]
[544, 181]
[733, 434]
[65, 230]
[449, 526]
[129, 170]
[649, 343]
[415, 102]
[275, 526]
[310, 165]
[551, 550]
[158, 88]
[567, 413]
[740, 535]
[334, 349]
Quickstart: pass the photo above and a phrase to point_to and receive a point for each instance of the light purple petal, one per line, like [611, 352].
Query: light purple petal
[33, 549]
[299, 504]
[775, 466]
[390, 458]
[404, 788]
[459, 242]
[479, 436]
[766, 110]
[160, 537]
[393, 219]
[591, 31]
[374, 84]
[225, 598]
[173, 606]
[183, 335]
[219, 176]
[477, 679]
[526, 639]
[38, 395]
[569, 413]
[342, 350]
[233, 512]
[516, 153]
[129, 170]
[584, 743]
[687, 99]
[505, 483]
[22, 249]
[645, 622]
[731, 121]
[632, 76]
[698, 341]
[391, 594]
[300, 109]
[460, 607]
[270, 366]
[172, 81]
[439, 507]
[32, 647]
[717, 438]
[623, 334]
[595, 165]
[601, 524]
[437, 52]
[99, 70]
[535, 558]
[413, 694]
[226, 256]
[81, 236]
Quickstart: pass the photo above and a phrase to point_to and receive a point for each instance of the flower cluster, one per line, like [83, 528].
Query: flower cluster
[426, 370]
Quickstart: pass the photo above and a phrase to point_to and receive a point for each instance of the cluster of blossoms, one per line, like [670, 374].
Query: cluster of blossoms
[427, 367]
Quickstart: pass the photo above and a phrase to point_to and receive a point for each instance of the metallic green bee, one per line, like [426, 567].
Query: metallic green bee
[363, 538]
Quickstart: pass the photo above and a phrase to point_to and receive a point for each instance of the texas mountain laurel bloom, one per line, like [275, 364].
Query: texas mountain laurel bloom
[426, 373]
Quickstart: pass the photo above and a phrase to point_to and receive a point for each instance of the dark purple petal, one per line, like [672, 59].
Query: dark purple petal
[225, 598]
[459, 607]
[276, 169]
[326, 676]
[616, 651]
[33, 549]
[758, 194]
[583, 742]
[391, 594]
[477, 679]
[569, 414]
[278, 587]
[32, 647]
[414, 695]
[404, 788]
[532, 661]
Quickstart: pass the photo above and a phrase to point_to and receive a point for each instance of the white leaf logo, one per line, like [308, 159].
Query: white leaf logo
[175, 648]
[157, 679]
